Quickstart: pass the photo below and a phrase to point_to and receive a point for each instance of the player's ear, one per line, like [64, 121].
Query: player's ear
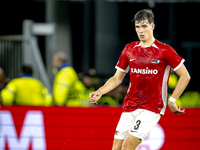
[153, 26]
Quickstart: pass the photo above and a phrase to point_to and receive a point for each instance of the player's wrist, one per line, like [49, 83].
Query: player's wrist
[99, 91]
[172, 99]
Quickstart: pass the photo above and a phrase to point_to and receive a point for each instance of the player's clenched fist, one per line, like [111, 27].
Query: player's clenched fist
[95, 96]
[174, 109]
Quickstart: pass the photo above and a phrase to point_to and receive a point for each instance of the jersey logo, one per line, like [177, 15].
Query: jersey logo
[155, 61]
[132, 59]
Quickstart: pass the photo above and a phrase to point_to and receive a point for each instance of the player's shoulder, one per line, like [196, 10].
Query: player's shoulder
[162, 45]
[132, 45]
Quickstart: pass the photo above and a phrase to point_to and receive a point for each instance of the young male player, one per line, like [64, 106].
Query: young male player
[149, 63]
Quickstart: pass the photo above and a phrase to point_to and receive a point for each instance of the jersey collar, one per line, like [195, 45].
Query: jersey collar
[153, 45]
[63, 66]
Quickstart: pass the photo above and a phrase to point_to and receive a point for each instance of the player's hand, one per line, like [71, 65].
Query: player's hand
[95, 96]
[174, 109]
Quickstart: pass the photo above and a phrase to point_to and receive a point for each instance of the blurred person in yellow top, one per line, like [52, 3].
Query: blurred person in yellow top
[67, 89]
[26, 90]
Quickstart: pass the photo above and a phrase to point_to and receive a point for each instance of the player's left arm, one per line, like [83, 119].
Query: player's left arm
[183, 81]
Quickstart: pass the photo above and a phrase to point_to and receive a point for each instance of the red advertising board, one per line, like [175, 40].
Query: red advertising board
[92, 128]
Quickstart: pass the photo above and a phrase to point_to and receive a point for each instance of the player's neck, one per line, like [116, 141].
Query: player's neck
[148, 43]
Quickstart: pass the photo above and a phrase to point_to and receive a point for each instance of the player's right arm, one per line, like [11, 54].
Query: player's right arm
[112, 83]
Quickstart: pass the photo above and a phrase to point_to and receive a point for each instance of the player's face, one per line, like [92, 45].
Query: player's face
[144, 30]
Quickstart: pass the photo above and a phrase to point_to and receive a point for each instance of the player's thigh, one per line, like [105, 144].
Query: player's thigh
[144, 123]
[122, 130]
[117, 144]
[124, 125]
[131, 143]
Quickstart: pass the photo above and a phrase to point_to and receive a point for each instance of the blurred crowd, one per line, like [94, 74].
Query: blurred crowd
[69, 88]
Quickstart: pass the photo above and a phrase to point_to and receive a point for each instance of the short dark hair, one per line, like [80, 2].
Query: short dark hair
[144, 14]
[27, 69]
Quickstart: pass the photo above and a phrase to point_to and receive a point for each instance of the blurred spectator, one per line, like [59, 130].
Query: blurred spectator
[188, 99]
[3, 80]
[114, 97]
[67, 89]
[108, 99]
[26, 90]
[90, 84]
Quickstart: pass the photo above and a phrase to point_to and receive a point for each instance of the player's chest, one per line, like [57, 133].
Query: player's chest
[145, 57]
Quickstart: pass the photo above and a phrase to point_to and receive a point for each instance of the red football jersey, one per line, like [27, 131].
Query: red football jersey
[149, 70]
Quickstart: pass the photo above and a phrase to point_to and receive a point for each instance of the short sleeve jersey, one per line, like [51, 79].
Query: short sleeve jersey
[149, 69]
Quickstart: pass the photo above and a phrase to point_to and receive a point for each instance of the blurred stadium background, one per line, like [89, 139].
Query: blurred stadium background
[93, 33]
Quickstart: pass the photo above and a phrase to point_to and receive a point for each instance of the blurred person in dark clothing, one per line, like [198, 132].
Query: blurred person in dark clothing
[26, 90]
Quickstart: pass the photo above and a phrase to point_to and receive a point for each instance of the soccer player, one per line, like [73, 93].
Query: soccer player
[149, 63]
